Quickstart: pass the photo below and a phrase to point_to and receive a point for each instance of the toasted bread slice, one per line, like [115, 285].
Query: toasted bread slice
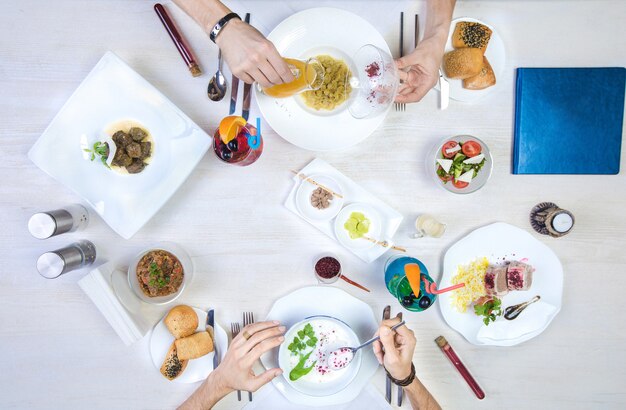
[463, 63]
[172, 366]
[470, 34]
[194, 346]
[486, 78]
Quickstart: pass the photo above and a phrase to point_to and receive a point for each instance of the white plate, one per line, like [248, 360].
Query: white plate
[197, 369]
[112, 92]
[342, 234]
[307, 34]
[357, 314]
[303, 199]
[495, 242]
[496, 55]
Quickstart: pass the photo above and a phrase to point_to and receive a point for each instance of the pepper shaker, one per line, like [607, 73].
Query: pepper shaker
[44, 225]
[75, 256]
[548, 219]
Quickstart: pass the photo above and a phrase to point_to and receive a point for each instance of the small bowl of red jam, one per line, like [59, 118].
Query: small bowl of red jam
[327, 268]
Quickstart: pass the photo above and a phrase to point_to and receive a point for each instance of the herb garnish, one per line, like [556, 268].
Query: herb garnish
[305, 339]
[156, 276]
[490, 310]
[100, 149]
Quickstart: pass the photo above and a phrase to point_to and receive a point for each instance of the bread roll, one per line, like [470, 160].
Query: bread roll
[463, 63]
[194, 346]
[469, 34]
[172, 366]
[181, 321]
[486, 78]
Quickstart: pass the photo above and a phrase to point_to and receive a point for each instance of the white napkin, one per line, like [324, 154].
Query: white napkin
[269, 398]
[107, 286]
[391, 218]
[533, 318]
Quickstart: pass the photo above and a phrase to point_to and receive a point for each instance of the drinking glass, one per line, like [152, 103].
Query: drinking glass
[427, 225]
[309, 75]
[398, 284]
[243, 150]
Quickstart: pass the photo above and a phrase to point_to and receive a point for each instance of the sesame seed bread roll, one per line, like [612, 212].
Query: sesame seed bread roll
[194, 346]
[486, 78]
[463, 63]
[181, 321]
[470, 34]
[172, 366]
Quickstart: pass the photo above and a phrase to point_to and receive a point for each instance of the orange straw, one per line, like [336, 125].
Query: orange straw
[432, 287]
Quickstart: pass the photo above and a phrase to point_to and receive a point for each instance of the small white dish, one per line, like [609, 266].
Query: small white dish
[343, 236]
[111, 93]
[306, 34]
[338, 380]
[197, 369]
[179, 253]
[305, 302]
[496, 242]
[496, 55]
[303, 199]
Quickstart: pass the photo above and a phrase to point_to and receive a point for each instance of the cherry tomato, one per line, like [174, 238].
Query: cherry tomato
[471, 148]
[444, 178]
[460, 184]
[448, 145]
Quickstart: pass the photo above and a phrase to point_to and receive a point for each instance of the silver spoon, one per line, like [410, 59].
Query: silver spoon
[512, 312]
[342, 357]
[217, 85]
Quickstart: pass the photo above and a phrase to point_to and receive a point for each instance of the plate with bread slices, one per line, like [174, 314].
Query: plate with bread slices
[182, 349]
[474, 59]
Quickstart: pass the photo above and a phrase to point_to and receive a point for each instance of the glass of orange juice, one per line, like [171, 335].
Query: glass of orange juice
[309, 75]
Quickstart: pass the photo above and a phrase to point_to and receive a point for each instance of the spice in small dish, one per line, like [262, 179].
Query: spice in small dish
[320, 198]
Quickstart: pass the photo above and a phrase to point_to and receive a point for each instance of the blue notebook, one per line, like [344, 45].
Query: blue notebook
[568, 120]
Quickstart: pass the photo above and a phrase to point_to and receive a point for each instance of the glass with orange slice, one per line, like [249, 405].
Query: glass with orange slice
[237, 142]
[404, 277]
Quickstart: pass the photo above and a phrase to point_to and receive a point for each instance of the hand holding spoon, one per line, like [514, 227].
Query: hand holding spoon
[342, 357]
[217, 85]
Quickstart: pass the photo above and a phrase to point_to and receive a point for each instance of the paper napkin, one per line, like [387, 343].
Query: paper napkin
[568, 120]
[391, 218]
[107, 286]
[533, 318]
[269, 398]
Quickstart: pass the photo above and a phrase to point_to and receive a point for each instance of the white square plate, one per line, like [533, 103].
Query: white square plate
[113, 92]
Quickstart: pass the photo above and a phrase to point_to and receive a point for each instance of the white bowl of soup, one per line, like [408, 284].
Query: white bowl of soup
[303, 356]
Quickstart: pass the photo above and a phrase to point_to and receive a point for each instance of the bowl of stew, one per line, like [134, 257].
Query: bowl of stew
[158, 275]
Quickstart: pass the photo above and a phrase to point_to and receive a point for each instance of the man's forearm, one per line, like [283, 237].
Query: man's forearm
[438, 18]
[420, 398]
[207, 395]
[205, 12]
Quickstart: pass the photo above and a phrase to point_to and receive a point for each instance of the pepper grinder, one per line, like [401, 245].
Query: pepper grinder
[75, 256]
[548, 219]
[44, 225]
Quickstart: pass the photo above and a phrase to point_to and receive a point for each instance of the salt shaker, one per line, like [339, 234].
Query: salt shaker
[43, 225]
[75, 256]
[548, 219]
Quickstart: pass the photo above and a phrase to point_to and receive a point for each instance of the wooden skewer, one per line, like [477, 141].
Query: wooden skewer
[325, 188]
[353, 283]
[384, 244]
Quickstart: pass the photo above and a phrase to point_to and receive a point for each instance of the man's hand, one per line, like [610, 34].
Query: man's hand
[251, 57]
[419, 72]
[395, 350]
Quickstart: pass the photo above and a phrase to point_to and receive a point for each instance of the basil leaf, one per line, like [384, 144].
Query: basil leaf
[300, 370]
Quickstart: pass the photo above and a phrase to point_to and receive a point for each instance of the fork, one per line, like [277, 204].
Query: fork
[248, 319]
[401, 106]
[234, 330]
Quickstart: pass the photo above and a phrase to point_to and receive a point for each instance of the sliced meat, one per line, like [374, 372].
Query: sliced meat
[519, 276]
[495, 281]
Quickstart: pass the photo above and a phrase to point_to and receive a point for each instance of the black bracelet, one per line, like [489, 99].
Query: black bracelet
[404, 382]
[215, 31]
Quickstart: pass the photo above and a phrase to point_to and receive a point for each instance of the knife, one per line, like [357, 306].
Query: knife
[400, 389]
[386, 315]
[245, 112]
[444, 88]
[210, 328]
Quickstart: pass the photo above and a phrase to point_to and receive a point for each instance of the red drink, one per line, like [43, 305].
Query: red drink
[238, 151]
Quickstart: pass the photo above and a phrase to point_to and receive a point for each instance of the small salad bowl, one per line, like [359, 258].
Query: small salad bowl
[460, 164]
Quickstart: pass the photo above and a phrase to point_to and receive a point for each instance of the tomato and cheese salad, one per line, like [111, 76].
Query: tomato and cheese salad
[459, 162]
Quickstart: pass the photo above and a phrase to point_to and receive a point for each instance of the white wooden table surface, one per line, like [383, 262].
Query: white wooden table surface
[59, 352]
